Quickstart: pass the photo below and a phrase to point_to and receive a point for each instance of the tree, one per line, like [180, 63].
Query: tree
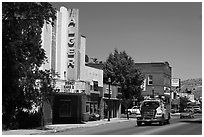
[122, 70]
[22, 54]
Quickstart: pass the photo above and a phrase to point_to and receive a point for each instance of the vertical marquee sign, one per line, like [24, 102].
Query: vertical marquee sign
[72, 44]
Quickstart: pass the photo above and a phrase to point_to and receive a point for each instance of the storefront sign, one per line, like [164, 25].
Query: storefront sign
[143, 86]
[71, 39]
[175, 82]
[72, 44]
[167, 89]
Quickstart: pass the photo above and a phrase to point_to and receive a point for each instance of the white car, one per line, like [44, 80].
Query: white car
[133, 110]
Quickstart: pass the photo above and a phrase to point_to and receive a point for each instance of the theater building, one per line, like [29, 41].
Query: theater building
[79, 86]
[157, 78]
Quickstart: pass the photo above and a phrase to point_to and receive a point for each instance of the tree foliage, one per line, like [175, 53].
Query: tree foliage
[122, 70]
[22, 54]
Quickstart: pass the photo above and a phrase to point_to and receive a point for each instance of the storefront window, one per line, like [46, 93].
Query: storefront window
[91, 87]
[95, 108]
[95, 85]
[92, 108]
[150, 80]
[87, 107]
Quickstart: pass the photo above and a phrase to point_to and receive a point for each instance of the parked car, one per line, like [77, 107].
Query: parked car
[197, 109]
[187, 114]
[94, 117]
[133, 110]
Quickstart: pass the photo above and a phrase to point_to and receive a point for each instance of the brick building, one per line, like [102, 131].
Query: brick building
[157, 78]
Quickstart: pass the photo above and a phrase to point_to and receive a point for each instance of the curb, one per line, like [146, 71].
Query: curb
[102, 122]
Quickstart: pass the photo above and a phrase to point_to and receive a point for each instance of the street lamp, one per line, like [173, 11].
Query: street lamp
[109, 82]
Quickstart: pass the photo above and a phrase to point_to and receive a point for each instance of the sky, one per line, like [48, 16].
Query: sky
[148, 32]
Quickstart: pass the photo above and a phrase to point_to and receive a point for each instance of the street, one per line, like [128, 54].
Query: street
[177, 126]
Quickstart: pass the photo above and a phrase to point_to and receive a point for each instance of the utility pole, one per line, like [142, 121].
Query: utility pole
[153, 92]
[109, 82]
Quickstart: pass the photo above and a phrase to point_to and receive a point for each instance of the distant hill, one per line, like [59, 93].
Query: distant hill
[194, 85]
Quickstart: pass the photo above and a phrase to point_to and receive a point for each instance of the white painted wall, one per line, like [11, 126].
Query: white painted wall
[58, 41]
[63, 44]
[82, 56]
[93, 74]
[88, 73]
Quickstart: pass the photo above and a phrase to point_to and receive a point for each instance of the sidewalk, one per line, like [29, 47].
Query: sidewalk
[63, 127]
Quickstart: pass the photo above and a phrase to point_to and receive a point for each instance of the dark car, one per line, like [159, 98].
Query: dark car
[187, 114]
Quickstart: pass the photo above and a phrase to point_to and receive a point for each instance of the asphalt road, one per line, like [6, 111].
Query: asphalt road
[176, 127]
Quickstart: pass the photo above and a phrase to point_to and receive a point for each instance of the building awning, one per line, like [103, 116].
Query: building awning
[105, 98]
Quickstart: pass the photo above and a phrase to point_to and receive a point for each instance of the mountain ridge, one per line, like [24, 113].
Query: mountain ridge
[193, 85]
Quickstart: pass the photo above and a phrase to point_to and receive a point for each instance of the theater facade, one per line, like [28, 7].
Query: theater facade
[80, 90]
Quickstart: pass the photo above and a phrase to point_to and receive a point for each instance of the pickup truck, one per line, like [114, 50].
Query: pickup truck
[133, 110]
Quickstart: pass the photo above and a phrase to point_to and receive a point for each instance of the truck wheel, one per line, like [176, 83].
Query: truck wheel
[139, 123]
[167, 121]
[169, 116]
[162, 122]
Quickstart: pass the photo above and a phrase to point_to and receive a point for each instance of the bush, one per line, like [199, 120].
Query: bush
[28, 120]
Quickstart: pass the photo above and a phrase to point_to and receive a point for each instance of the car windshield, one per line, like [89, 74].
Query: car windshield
[153, 104]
